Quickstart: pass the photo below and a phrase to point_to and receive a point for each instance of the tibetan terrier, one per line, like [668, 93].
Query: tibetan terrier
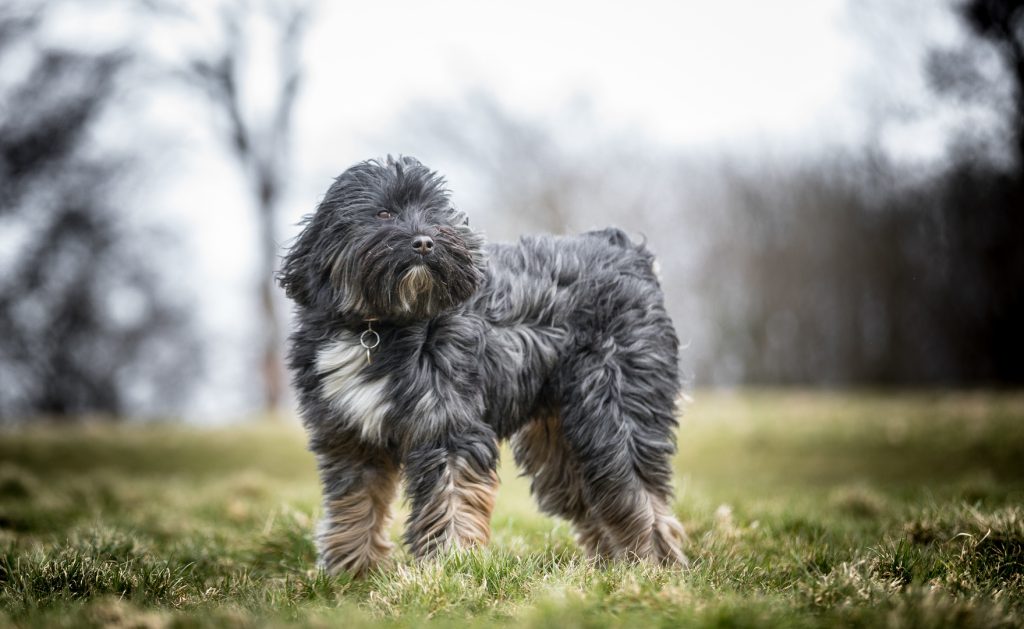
[417, 348]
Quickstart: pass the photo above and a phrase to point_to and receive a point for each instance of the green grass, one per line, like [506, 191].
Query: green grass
[803, 510]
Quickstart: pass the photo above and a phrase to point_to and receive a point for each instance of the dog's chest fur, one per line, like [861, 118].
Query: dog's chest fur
[362, 402]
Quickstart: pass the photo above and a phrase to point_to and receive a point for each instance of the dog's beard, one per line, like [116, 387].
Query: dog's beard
[415, 288]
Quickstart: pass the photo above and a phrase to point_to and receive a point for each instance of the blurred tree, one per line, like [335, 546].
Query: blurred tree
[986, 70]
[84, 325]
[980, 204]
[259, 144]
[863, 270]
[1001, 23]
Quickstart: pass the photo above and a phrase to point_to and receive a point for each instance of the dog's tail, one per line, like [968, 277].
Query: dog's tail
[618, 238]
[614, 236]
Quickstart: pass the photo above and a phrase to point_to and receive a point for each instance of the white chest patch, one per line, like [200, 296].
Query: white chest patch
[362, 403]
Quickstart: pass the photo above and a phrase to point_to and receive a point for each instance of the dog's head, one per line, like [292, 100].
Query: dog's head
[385, 243]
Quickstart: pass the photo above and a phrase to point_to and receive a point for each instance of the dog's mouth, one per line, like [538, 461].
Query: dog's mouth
[415, 287]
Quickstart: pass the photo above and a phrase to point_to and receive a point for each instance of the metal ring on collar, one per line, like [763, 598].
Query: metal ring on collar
[375, 339]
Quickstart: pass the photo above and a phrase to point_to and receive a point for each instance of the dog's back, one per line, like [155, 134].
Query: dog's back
[546, 279]
[548, 299]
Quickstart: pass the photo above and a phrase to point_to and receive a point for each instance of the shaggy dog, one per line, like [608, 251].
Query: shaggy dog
[417, 348]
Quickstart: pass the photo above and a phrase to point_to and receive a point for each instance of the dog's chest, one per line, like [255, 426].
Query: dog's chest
[360, 398]
[405, 392]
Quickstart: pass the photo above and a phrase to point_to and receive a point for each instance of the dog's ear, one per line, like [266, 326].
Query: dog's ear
[302, 274]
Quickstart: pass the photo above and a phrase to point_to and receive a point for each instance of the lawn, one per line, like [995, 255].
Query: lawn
[803, 510]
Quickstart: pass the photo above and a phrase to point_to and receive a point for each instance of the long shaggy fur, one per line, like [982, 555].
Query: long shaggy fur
[561, 344]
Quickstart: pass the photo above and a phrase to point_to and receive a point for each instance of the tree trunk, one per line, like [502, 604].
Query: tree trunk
[273, 372]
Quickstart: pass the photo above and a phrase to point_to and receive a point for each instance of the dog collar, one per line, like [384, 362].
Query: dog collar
[369, 339]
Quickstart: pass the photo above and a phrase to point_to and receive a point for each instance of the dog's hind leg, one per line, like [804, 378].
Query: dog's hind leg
[618, 420]
[359, 485]
[451, 487]
[556, 481]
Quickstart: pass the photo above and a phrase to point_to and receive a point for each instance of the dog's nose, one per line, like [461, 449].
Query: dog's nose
[423, 244]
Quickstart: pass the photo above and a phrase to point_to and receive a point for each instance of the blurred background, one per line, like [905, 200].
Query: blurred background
[835, 189]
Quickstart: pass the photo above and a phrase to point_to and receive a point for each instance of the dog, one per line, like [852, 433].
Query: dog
[417, 348]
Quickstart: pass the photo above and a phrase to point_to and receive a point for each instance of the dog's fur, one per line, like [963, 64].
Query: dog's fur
[561, 344]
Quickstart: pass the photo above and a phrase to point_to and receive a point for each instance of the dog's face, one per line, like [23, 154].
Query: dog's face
[385, 243]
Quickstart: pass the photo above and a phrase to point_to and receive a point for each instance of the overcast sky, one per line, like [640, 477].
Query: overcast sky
[700, 74]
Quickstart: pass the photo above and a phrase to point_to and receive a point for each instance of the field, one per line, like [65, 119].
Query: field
[803, 510]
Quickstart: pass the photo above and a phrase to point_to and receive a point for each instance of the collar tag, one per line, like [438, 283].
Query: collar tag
[369, 339]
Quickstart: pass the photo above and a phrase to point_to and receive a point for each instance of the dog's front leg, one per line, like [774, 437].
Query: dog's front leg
[359, 484]
[451, 488]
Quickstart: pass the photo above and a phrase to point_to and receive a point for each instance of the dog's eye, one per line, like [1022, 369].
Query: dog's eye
[384, 214]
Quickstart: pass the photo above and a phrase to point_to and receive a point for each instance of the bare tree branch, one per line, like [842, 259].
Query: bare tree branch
[261, 147]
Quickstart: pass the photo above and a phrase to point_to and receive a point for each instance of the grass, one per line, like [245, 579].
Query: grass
[803, 510]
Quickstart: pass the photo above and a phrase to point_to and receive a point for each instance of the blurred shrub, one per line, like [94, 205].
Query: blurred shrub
[85, 324]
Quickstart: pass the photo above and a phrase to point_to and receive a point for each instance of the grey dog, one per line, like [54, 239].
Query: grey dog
[417, 348]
